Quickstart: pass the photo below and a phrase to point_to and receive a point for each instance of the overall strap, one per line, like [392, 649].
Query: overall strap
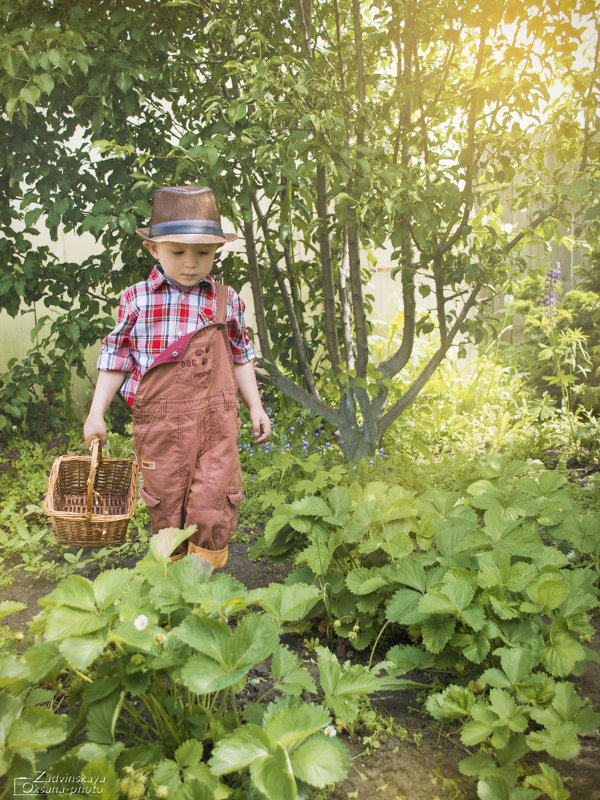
[222, 293]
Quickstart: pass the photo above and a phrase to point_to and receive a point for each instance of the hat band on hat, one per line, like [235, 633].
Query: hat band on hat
[205, 226]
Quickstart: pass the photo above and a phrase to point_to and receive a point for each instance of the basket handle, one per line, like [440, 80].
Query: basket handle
[96, 449]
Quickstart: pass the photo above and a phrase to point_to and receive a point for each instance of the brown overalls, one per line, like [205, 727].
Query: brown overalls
[186, 430]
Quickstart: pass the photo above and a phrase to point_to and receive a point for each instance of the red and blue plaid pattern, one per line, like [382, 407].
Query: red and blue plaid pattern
[155, 313]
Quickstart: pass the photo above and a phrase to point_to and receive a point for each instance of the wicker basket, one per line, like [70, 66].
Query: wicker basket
[91, 499]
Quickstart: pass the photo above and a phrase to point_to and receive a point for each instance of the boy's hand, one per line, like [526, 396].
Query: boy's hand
[261, 424]
[94, 426]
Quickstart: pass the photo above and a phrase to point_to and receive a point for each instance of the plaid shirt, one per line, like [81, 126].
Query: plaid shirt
[155, 313]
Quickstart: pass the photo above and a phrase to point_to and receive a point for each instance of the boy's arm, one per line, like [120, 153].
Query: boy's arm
[246, 381]
[108, 384]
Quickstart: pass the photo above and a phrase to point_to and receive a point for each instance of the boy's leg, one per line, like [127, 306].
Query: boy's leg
[159, 459]
[215, 492]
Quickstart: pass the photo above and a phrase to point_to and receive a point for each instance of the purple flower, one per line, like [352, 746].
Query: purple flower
[371, 463]
[292, 429]
[269, 410]
[381, 451]
[251, 452]
[304, 444]
[550, 286]
[328, 445]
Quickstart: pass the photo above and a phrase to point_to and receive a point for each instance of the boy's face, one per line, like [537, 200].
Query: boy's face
[185, 264]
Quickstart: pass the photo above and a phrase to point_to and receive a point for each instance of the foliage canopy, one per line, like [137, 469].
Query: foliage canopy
[328, 129]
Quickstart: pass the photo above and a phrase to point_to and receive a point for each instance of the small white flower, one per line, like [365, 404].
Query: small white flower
[330, 731]
[141, 622]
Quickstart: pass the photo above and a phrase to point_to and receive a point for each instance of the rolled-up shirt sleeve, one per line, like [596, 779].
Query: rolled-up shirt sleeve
[241, 346]
[115, 350]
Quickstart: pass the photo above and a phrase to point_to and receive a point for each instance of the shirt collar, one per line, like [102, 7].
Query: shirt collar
[158, 277]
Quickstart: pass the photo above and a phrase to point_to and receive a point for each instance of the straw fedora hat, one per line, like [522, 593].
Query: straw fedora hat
[187, 214]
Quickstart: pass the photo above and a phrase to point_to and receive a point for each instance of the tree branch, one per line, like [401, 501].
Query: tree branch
[289, 306]
[271, 375]
[257, 292]
[331, 336]
[399, 359]
[440, 300]
[447, 242]
[343, 278]
[409, 396]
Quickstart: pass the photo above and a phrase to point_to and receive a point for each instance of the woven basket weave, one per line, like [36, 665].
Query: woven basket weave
[90, 499]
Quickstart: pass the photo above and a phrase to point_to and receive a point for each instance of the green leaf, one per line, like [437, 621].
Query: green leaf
[549, 782]
[401, 659]
[13, 671]
[74, 591]
[10, 607]
[403, 607]
[363, 581]
[100, 774]
[310, 506]
[576, 190]
[81, 651]
[320, 761]
[225, 656]
[288, 672]
[30, 94]
[452, 599]
[223, 595]
[453, 703]
[273, 777]
[517, 663]
[286, 603]
[10, 709]
[102, 718]
[562, 653]
[109, 585]
[189, 753]
[37, 729]
[10, 62]
[474, 646]
[548, 592]
[476, 731]
[340, 500]
[560, 741]
[64, 623]
[437, 632]
[204, 675]
[344, 689]
[44, 81]
[239, 750]
[476, 765]
[290, 722]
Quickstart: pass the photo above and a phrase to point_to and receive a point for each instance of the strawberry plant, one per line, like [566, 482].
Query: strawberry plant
[154, 663]
[487, 586]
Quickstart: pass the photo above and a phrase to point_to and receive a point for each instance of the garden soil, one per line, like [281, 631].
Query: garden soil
[416, 761]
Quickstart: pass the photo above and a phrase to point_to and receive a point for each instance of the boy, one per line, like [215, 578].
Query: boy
[179, 353]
